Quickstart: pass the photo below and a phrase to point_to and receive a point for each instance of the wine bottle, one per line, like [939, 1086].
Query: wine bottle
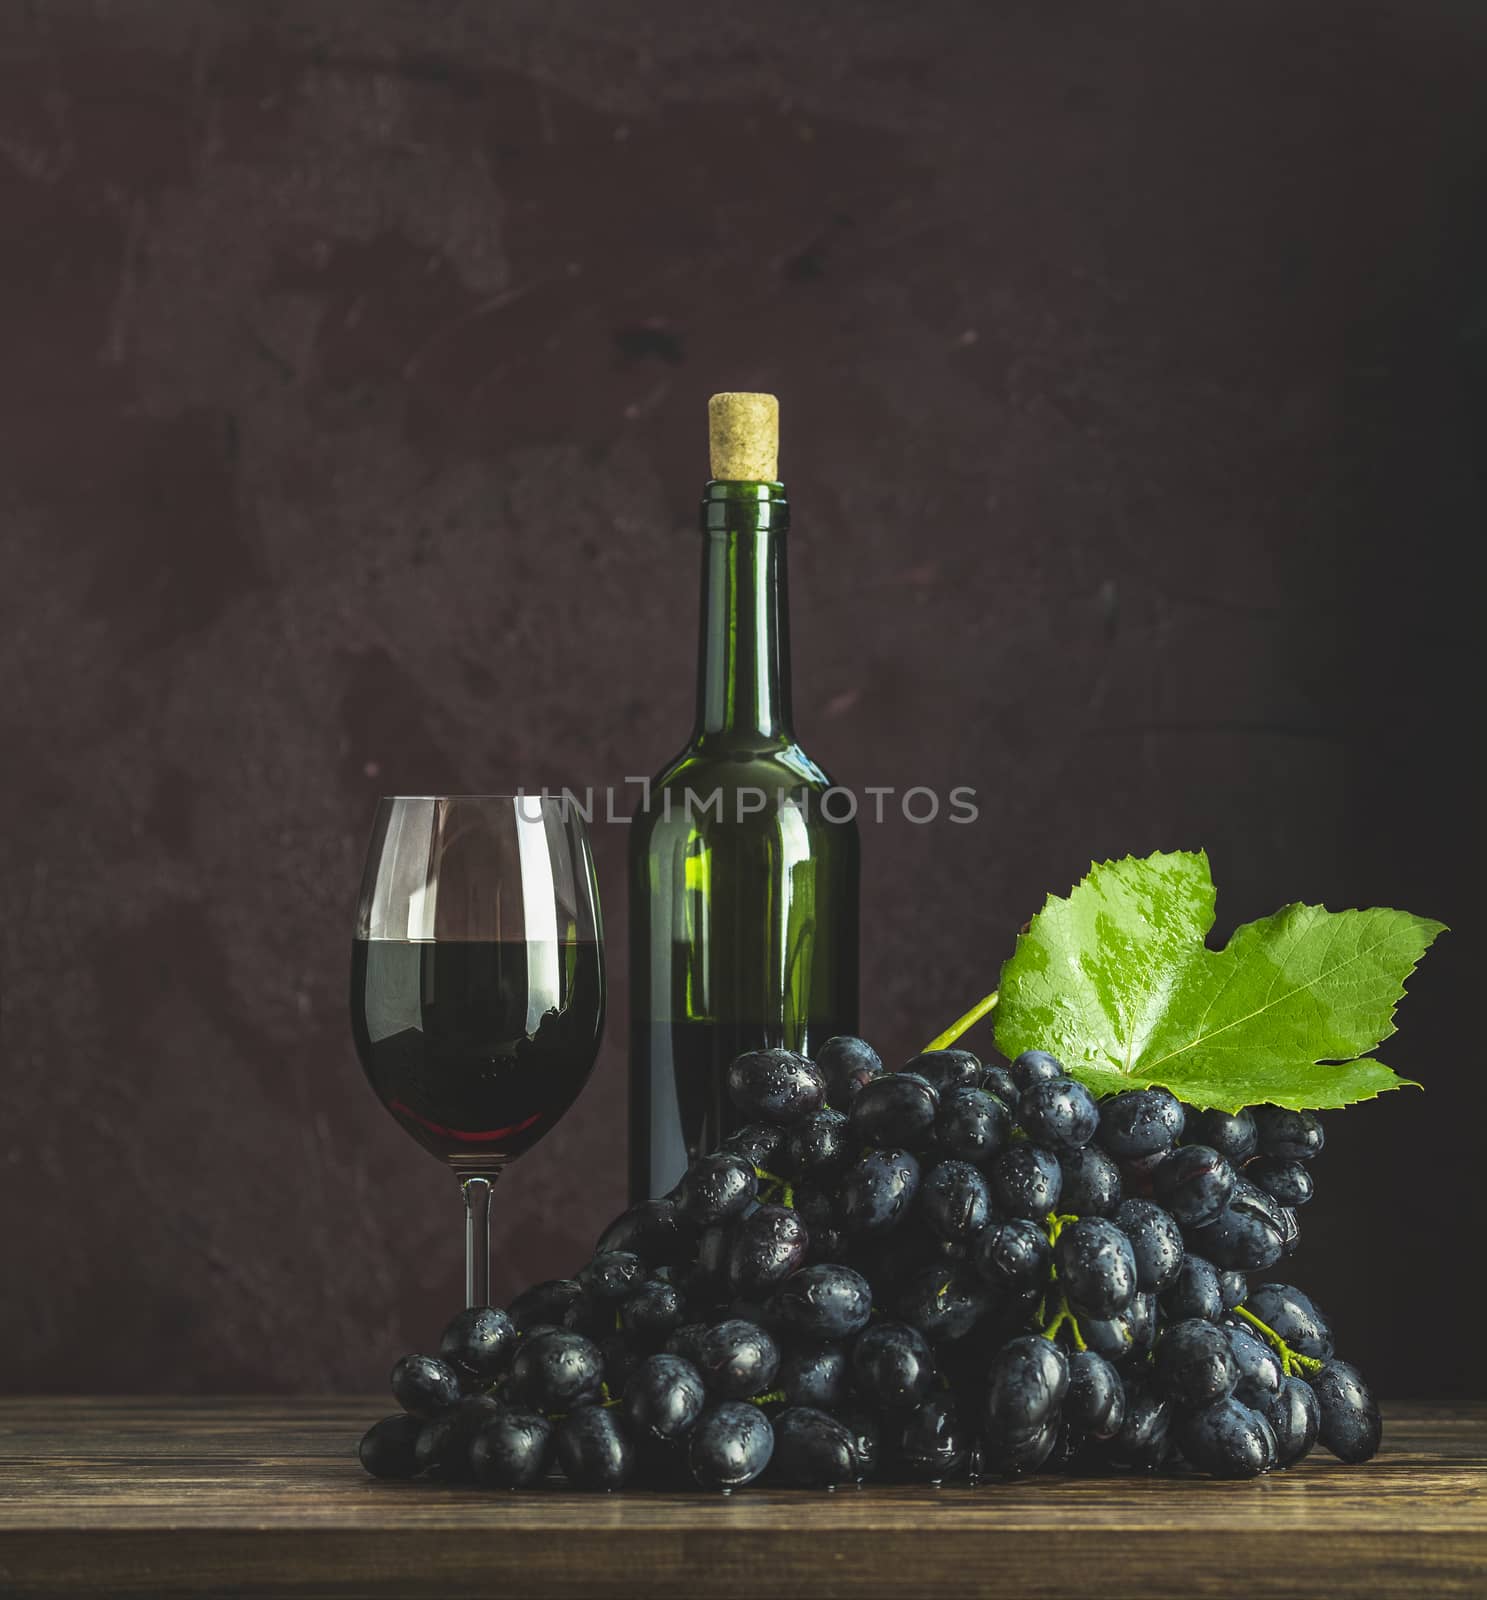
[743, 867]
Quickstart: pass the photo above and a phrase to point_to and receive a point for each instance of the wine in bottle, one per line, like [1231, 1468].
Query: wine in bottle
[743, 868]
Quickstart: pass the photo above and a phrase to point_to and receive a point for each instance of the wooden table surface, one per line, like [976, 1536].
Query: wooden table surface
[248, 1496]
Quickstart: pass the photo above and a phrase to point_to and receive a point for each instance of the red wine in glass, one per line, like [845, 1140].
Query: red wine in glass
[477, 981]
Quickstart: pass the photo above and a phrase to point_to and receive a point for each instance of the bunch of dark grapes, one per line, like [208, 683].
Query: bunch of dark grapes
[955, 1270]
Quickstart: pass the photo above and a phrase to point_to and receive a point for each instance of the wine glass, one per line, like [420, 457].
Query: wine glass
[477, 981]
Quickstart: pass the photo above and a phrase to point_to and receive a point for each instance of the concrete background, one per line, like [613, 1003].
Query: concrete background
[353, 360]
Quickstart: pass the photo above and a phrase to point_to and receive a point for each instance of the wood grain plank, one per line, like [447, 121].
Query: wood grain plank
[265, 1498]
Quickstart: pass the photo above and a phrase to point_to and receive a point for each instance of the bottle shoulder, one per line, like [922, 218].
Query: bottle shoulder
[763, 795]
[779, 765]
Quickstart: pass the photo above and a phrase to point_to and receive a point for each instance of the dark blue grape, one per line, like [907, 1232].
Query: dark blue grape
[813, 1450]
[613, 1275]
[775, 1086]
[1025, 1386]
[1194, 1183]
[653, 1230]
[1291, 1135]
[1253, 1198]
[1156, 1241]
[1296, 1417]
[1228, 1440]
[655, 1310]
[817, 1147]
[593, 1449]
[971, 1125]
[1034, 1066]
[1091, 1182]
[1069, 1445]
[1015, 1454]
[737, 1358]
[1096, 1399]
[896, 1111]
[892, 1366]
[876, 1191]
[512, 1451]
[767, 1246]
[1144, 1440]
[1137, 1173]
[1284, 1180]
[557, 1371]
[442, 1449]
[814, 1375]
[1350, 1426]
[424, 1385]
[757, 1143]
[824, 1302]
[1058, 1113]
[1294, 1316]
[1194, 1291]
[1259, 1367]
[1096, 1267]
[1290, 1237]
[1014, 1254]
[1114, 1338]
[944, 1302]
[1233, 1287]
[865, 1431]
[932, 1445]
[998, 1081]
[730, 1446]
[556, 1303]
[954, 1200]
[1248, 1235]
[1143, 1318]
[1194, 1365]
[1026, 1180]
[1140, 1123]
[716, 1188]
[946, 1069]
[1231, 1133]
[663, 1398]
[479, 1341]
[847, 1064]
[387, 1447]
[816, 1207]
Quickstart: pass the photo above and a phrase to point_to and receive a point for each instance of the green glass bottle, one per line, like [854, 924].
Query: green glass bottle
[743, 883]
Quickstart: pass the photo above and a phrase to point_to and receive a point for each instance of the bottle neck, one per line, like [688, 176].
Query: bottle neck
[743, 671]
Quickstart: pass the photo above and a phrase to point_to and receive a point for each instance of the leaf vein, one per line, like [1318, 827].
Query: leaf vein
[1269, 1004]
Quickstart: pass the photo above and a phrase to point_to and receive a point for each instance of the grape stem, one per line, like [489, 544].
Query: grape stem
[964, 1024]
[1063, 1315]
[1292, 1362]
[786, 1191]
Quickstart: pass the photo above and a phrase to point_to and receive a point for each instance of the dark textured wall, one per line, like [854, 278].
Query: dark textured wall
[352, 366]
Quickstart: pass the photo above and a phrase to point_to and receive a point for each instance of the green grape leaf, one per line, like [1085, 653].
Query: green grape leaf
[1117, 981]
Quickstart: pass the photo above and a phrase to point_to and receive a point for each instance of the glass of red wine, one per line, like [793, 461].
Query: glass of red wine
[477, 981]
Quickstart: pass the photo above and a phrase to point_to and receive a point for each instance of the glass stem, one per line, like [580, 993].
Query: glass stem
[477, 1192]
